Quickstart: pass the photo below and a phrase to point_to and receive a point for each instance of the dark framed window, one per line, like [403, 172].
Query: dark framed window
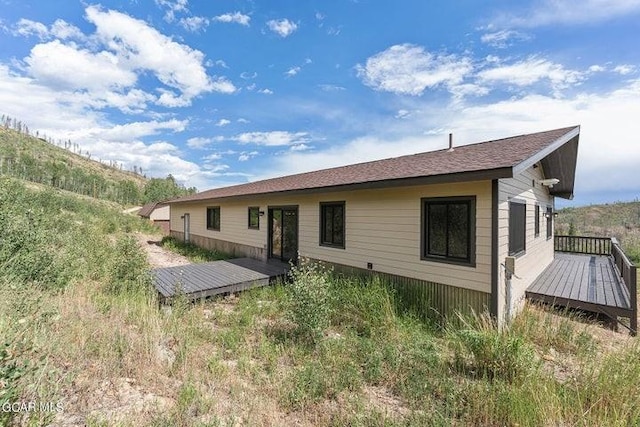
[213, 218]
[254, 217]
[449, 229]
[517, 227]
[549, 216]
[537, 221]
[332, 224]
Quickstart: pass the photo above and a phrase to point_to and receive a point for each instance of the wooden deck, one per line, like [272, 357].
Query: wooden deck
[586, 279]
[218, 277]
[591, 281]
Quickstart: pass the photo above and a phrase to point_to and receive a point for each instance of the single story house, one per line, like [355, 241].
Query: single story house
[158, 213]
[445, 222]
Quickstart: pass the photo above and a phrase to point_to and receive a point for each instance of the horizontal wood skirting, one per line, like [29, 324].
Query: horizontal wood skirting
[429, 300]
[231, 248]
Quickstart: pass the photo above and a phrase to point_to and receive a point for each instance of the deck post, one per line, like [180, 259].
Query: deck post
[633, 294]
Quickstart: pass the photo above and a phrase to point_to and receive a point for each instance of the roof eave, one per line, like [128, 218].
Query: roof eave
[480, 175]
[535, 158]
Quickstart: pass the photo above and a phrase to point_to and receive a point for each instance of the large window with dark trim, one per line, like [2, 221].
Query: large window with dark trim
[254, 217]
[332, 224]
[213, 218]
[448, 229]
[537, 221]
[549, 216]
[517, 227]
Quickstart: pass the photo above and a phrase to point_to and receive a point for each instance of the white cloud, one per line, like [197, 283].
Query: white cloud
[242, 120]
[27, 27]
[212, 157]
[331, 88]
[235, 17]
[402, 114]
[248, 76]
[194, 23]
[568, 12]
[291, 72]
[244, 156]
[201, 142]
[282, 27]
[596, 68]
[531, 71]
[68, 67]
[503, 38]
[173, 6]
[624, 69]
[300, 147]
[63, 30]
[409, 70]
[142, 47]
[273, 138]
[223, 122]
[266, 91]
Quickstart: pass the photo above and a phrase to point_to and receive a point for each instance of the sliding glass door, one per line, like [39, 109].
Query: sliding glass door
[283, 233]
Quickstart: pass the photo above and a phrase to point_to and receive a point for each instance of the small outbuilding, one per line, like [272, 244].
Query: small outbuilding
[159, 213]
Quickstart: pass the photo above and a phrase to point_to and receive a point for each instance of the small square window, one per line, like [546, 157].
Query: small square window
[254, 217]
[448, 229]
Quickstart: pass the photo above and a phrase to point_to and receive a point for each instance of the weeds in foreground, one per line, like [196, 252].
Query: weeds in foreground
[193, 253]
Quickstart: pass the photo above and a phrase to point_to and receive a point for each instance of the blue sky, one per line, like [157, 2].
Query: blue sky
[225, 92]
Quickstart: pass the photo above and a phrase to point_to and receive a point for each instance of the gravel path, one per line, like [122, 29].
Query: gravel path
[157, 256]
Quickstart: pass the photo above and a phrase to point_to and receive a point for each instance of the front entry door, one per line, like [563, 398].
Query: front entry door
[283, 233]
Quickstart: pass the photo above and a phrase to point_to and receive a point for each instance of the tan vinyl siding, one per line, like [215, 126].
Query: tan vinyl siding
[160, 214]
[382, 228]
[539, 250]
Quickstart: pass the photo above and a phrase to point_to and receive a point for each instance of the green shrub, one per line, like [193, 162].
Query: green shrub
[308, 299]
[128, 266]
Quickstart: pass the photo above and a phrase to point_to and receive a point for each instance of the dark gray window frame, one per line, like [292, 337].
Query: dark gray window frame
[549, 216]
[211, 220]
[257, 210]
[536, 227]
[514, 249]
[323, 210]
[470, 201]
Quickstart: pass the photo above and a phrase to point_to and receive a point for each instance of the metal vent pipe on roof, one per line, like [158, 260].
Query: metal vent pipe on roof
[450, 142]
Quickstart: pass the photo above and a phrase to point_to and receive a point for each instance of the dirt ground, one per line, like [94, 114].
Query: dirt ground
[157, 256]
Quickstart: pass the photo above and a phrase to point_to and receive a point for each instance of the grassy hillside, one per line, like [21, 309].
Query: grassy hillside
[620, 220]
[30, 158]
[80, 328]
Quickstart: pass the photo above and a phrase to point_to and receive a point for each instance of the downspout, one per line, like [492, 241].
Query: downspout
[494, 250]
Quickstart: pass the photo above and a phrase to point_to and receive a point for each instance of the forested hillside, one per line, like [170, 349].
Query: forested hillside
[35, 159]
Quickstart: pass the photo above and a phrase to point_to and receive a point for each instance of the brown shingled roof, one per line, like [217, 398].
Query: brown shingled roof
[146, 210]
[499, 156]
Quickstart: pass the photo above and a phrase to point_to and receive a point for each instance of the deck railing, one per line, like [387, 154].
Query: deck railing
[628, 272]
[583, 245]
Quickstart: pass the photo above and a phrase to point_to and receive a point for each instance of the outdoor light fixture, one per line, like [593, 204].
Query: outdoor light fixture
[261, 213]
[549, 182]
